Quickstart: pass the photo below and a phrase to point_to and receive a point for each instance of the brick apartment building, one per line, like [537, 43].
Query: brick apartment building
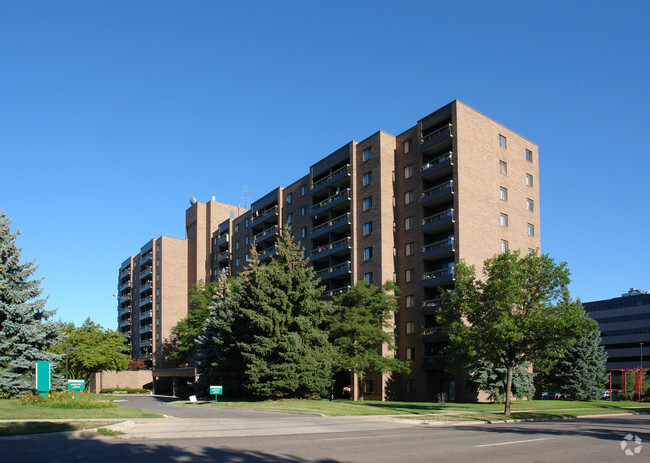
[457, 185]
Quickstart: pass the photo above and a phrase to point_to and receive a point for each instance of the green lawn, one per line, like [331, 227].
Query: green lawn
[535, 409]
[12, 409]
[40, 427]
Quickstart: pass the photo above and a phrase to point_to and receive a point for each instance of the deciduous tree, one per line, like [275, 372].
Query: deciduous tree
[519, 312]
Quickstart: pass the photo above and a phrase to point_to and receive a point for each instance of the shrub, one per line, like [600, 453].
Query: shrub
[124, 390]
[64, 400]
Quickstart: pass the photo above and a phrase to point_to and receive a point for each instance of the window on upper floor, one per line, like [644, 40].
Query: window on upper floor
[408, 171]
[237, 228]
[303, 232]
[409, 353]
[504, 220]
[504, 246]
[531, 229]
[237, 244]
[408, 197]
[529, 180]
[407, 146]
[289, 217]
[289, 198]
[367, 203]
[503, 193]
[367, 253]
[409, 327]
[367, 228]
[408, 275]
[409, 301]
[368, 277]
[303, 190]
[247, 240]
[247, 223]
[408, 223]
[503, 167]
[367, 178]
[408, 249]
[502, 141]
[367, 154]
[529, 156]
[303, 211]
[530, 204]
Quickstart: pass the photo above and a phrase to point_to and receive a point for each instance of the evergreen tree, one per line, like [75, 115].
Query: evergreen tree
[581, 369]
[361, 326]
[484, 376]
[267, 338]
[26, 328]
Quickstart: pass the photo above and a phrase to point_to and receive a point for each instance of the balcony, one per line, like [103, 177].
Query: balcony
[430, 141]
[146, 314]
[146, 328]
[125, 272]
[336, 291]
[145, 301]
[334, 224]
[437, 194]
[224, 256]
[438, 277]
[124, 298]
[146, 287]
[431, 305]
[124, 286]
[436, 221]
[145, 272]
[268, 253]
[263, 215]
[223, 239]
[146, 258]
[330, 202]
[329, 249]
[434, 333]
[124, 310]
[266, 234]
[434, 362]
[334, 271]
[145, 343]
[331, 179]
[437, 167]
[442, 248]
[124, 323]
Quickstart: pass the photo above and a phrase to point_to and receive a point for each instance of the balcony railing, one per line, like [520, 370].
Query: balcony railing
[437, 188]
[331, 176]
[146, 314]
[146, 343]
[440, 216]
[341, 218]
[125, 272]
[331, 199]
[146, 258]
[268, 231]
[333, 268]
[146, 271]
[146, 328]
[432, 303]
[336, 291]
[434, 330]
[124, 323]
[266, 253]
[435, 133]
[125, 285]
[436, 161]
[259, 215]
[146, 300]
[438, 273]
[327, 247]
[439, 244]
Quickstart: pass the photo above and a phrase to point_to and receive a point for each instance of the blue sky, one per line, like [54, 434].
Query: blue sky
[113, 114]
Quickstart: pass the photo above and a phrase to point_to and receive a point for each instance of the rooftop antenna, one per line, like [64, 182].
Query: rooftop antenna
[245, 197]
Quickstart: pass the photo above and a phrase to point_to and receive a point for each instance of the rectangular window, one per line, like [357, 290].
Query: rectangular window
[368, 386]
[303, 190]
[367, 228]
[530, 204]
[247, 221]
[367, 154]
[367, 178]
[246, 240]
[503, 167]
[237, 228]
[504, 246]
[503, 193]
[289, 217]
[368, 277]
[529, 156]
[304, 253]
[408, 223]
[408, 275]
[407, 146]
[289, 198]
[502, 141]
[410, 327]
[409, 385]
[247, 257]
[237, 244]
[408, 197]
[529, 180]
[303, 211]
[303, 232]
[531, 229]
[237, 261]
[408, 172]
[409, 301]
[409, 353]
[367, 203]
[367, 253]
[408, 249]
[504, 220]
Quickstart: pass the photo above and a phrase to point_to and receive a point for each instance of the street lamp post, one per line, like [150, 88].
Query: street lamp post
[66, 361]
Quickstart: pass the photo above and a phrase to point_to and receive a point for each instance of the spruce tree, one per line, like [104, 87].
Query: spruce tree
[485, 376]
[581, 369]
[26, 331]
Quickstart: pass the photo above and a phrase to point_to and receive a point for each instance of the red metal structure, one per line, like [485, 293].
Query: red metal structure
[638, 374]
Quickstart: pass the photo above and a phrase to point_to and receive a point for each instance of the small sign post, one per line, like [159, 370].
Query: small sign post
[216, 391]
[43, 377]
[76, 385]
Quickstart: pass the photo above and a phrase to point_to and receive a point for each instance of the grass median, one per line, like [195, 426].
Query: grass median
[534, 409]
[34, 419]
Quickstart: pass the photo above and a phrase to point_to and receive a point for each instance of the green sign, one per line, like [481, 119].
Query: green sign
[76, 384]
[43, 377]
[216, 391]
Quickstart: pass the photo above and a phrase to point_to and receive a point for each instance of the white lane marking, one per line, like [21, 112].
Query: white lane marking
[345, 438]
[513, 442]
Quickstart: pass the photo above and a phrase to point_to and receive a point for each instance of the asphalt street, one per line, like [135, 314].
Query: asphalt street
[247, 436]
